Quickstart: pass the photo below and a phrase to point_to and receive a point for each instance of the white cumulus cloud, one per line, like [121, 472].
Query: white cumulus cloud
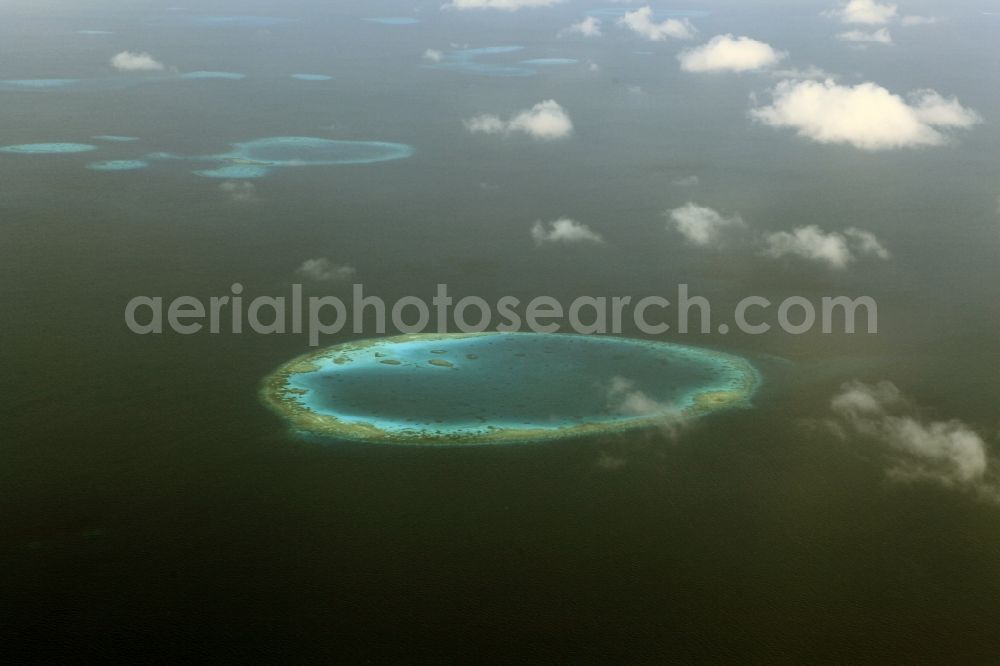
[866, 116]
[640, 21]
[128, 61]
[564, 230]
[880, 36]
[834, 249]
[866, 12]
[325, 270]
[433, 55]
[546, 121]
[947, 452]
[726, 53]
[588, 27]
[701, 225]
[625, 398]
[507, 5]
[867, 243]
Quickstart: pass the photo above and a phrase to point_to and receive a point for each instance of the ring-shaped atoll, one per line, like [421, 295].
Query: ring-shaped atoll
[470, 61]
[501, 388]
[256, 159]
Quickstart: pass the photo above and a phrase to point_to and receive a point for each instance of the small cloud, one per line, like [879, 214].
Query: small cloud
[324, 270]
[687, 181]
[880, 36]
[626, 399]
[506, 5]
[866, 12]
[918, 20]
[640, 21]
[240, 191]
[949, 453]
[588, 27]
[128, 61]
[867, 243]
[610, 463]
[433, 55]
[564, 230]
[546, 121]
[866, 116]
[726, 53]
[703, 226]
[834, 249]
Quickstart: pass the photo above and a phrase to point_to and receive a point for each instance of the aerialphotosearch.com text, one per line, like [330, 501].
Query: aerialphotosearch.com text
[319, 316]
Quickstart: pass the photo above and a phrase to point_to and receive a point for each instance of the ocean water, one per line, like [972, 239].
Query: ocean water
[151, 503]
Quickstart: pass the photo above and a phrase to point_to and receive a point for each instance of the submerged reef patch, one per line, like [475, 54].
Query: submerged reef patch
[48, 148]
[235, 172]
[550, 61]
[230, 76]
[311, 77]
[111, 138]
[37, 84]
[392, 20]
[118, 165]
[222, 21]
[501, 388]
[120, 81]
[469, 61]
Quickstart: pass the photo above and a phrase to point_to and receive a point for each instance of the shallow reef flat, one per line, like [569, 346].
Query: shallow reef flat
[200, 75]
[501, 388]
[120, 81]
[48, 148]
[181, 19]
[469, 61]
[118, 165]
[550, 61]
[37, 84]
[393, 20]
